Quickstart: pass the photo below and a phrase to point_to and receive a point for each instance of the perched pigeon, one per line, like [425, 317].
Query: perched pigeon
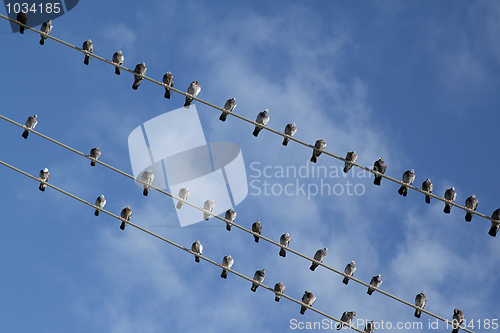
[290, 130]
[408, 178]
[351, 157]
[258, 278]
[346, 319]
[89, 47]
[23, 18]
[261, 120]
[318, 147]
[449, 195]
[307, 299]
[46, 29]
[471, 204]
[94, 154]
[168, 80]
[279, 288]
[318, 258]
[228, 107]
[198, 249]
[427, 187]
[227, 262]
[284, 241]
[100, 202]
[420, 301]
[125, 215]
[183, 194]
[380, 167]
[495, 225]
[142, 70]
[458, 318]
[369, 327]
[349, 271]
[257, 228]
[209, 207]
[230, 216]
[30, 124]
[193, 91]
[374, 283]
[118, 59]
[148, 177]
[43, 176]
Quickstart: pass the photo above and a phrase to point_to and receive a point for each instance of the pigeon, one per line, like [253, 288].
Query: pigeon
[408, 178]
[495, 225]
[125, 215]
[349, 271]
[369, 327]
[319, 256]
[46, 29]
[351, 157]
[227, 262]
[261, 120]
[198, 249]
[290, 130]
[230, 216]
[30, 124]
[318, 147]
[43, 177]
[284, 241]
[209, 207]
[168, 80]
[228, 107]
[427, 187]
[374, 283]
[140, 69]
[193, 91]
[420, 301]
[471, 204]
[307, 299]
[89, 47]
[257, 228]
[148, 177]
[449, 195]
[94, 155]
[23, 18]
[380, 167]
[458, 318]
[346, 319]
[183, 194]
[118, 59]
[258, 278]
[100, 202]
[279, 288]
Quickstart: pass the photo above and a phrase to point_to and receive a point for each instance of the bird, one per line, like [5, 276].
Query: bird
[380, 167]
[458, 318]
[89, 47]
[258, 277]
[148, 177]
[228, 107]
[285, 242]
[142, 70]
[351, 157]
[261, 120]
[30, 124]
[257, 228]
[369, 327]
[230, 216]
[192, 91]
[349, 271]
[427, 187]
[95, 153]
[290, 130]
[100, 202]
[198, 249]
[318, 147]
[183, 194]
[449, 195]
[43, 176]
[168, 80]
[319, 256]
[22, 18]
[46, 29]
[307, 299]
[375, 282]
[118, 59]
[227, 262]
[208, 206]
[495, 225]
[471, 204]
[279, 288]
[126, 215]
[408, 178]
[420, 301]
[346, 318]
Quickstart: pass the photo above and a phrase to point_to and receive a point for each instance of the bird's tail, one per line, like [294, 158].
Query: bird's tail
[405, 192]
[401, 190]
[303, 310]
[117, 71]
[25, 134]
[228, 227]
[42, 187]
[346, 280]
[223, 117]
[122, 226]
[224, 274]
[377, 180]
[314, 159]
[92, 163]
[256, 239]
[285, 141]
[136, 84]
[277, 298]
[455, 330]
[347, 168]
[145, 192]
[428, 199]
[339, 326]
[370, 291]
[96, 213]
[282, 252]
[86, 60]
[493, 231]
[206, 216]
[417, 313]
[447, 208]
[468, 217]
[42, 40]
[167, 93]
[21, 30]
[196, 258]
[254, 287]
[188, 101]
[313, 266]
[179, 204]
[256, 131]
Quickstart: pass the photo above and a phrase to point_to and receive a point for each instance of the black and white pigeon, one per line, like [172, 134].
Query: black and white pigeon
[208, 206]
[450, 195]
[95, 153]
[197, 248]
[458, 318]
[46, 29]
[148, 177]
[228, 107]
[257, 228]
[408, 179]
[346, 319]
[100, 202]
[495, 226]
[227, 262]
[230, 216]
[319, 146]
[380, 167]
[139, 69]
[471, 204]
[420, 301]
[351, 157]
[193, 91]
[349, 271]
[183, 194]
[89, 47]
[369, 327]
[375, 282]
[261, 120]
[168, 80]
[307, 299]
[30, 124]
[290, 130]
[259, 277]
[319, 256]
[279, 288]
[43, 176]
[126, 215]
[285, 242]
[118, 59]
[23, 18]
[427, 187]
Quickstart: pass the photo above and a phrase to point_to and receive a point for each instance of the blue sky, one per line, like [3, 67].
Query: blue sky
[413, 82]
